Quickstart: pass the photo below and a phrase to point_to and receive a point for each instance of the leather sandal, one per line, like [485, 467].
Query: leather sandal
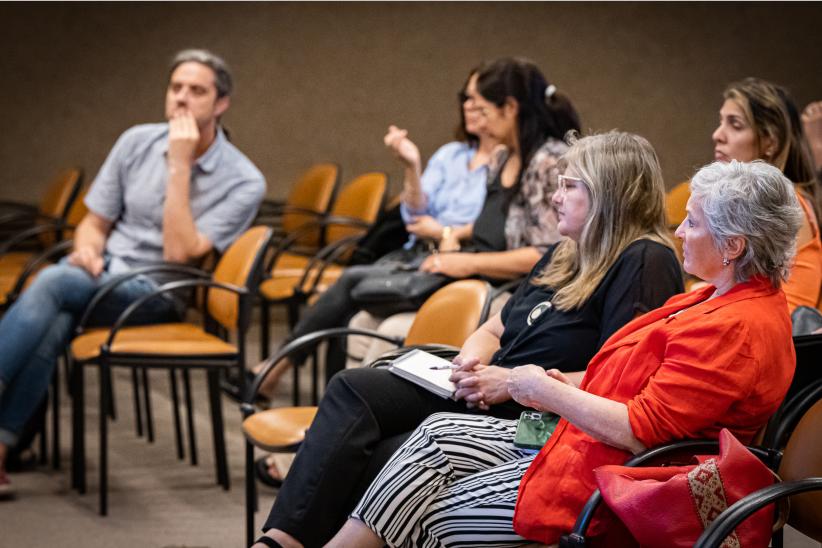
[261, 467]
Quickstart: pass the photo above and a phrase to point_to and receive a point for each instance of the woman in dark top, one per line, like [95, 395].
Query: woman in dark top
[616, 263]
[516, 223]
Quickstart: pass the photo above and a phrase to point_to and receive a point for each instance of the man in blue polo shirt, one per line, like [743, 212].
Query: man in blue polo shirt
[167, 192]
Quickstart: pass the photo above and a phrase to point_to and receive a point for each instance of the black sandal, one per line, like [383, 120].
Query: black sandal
[268, 541]
[261, 471]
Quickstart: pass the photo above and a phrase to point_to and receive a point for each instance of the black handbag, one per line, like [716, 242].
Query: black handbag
[398, 291]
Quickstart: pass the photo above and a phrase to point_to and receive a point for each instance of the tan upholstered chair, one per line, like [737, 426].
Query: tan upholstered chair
[293, 277]
[448, 317]
[53, 207]
[18, 268]
[173, 345]
[800, 468]
[308, 200]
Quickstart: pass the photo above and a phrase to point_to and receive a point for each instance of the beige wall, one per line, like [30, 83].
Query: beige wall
[319, 81]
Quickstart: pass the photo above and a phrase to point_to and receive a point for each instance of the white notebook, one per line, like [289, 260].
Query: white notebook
[426, 370]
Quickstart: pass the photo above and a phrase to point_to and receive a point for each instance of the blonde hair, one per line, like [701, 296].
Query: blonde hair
[623, 177]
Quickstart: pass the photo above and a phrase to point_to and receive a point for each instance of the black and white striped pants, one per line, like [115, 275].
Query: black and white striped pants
[453, 483]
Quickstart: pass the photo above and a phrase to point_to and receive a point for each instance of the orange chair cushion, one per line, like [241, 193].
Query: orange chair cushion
[286, 274]
[14, 260]
[279, 429]
[176, 339]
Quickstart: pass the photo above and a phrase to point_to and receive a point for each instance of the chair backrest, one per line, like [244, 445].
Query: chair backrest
[74, 215]
[61, 193]
[361, 199]
[313, 191]
[450, 315]
[675, 202]
[240, 266]
[801, 459]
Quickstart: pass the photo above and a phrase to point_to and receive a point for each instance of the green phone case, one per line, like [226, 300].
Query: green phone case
[534, 428]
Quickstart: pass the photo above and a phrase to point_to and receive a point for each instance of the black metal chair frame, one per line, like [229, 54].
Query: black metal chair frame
[212, 363]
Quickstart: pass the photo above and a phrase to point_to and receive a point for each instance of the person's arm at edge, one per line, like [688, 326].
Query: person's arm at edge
[601, 418]
[483, 342]
[504, 264]
[89, 242]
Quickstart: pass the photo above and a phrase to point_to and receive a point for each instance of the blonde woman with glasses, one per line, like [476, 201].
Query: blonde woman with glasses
[616, 262]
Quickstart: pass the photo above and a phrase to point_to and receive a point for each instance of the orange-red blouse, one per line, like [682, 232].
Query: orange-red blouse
[719, 363]
[805, 280]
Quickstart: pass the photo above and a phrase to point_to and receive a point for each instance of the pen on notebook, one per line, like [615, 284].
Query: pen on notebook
[441, 367]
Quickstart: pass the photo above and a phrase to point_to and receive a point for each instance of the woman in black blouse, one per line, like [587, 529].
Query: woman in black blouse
[615, 263]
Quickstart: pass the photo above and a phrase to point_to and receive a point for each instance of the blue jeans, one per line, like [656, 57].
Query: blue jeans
[37, 328]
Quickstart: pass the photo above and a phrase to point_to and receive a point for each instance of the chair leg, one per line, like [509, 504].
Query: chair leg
[78, 429]
[192, 434]
[42, 457]
[777, 539]
[105, 373]
[112, 410]
[265, 330]
[315, 365]
[295, 384]
[55, 420]
[175, 410]
[147, 406]
[138, 408]
[250, 493]
[220, 457]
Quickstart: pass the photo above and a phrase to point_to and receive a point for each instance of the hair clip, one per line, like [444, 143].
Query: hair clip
[550, 91]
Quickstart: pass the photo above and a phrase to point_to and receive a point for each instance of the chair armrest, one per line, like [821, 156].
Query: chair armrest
[344, 220]
[165, 288]
[21, 214]
[34, 263]
[727, 521]
[111, 285]
[776, 436]
[55, 225]
[292, 238]
[306, 341]
[326, 256]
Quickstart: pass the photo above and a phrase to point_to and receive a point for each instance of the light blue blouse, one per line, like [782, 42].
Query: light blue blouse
[454, 192]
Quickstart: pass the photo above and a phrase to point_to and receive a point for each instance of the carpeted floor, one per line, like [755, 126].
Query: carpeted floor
[155, 499]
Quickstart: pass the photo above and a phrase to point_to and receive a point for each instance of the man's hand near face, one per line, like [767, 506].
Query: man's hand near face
[183, 137]
[181, 240]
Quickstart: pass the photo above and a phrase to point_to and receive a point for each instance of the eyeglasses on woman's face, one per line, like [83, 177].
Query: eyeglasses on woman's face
[564, 182]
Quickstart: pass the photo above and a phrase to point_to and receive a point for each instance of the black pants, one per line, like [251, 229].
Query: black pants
[363, 418]
[335, 307]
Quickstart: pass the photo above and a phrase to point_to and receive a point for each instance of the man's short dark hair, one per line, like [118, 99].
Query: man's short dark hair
[222, 74]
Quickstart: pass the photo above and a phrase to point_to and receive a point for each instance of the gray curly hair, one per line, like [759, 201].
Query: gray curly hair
[755, 201]
[222, 74]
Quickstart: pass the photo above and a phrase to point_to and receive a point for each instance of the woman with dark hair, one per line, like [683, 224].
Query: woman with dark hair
[438, 206]
[615, 262]
[530, 118]
[759, 120]
[516, 223]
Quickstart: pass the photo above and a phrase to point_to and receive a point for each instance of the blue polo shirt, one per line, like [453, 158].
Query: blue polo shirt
[130, 190]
